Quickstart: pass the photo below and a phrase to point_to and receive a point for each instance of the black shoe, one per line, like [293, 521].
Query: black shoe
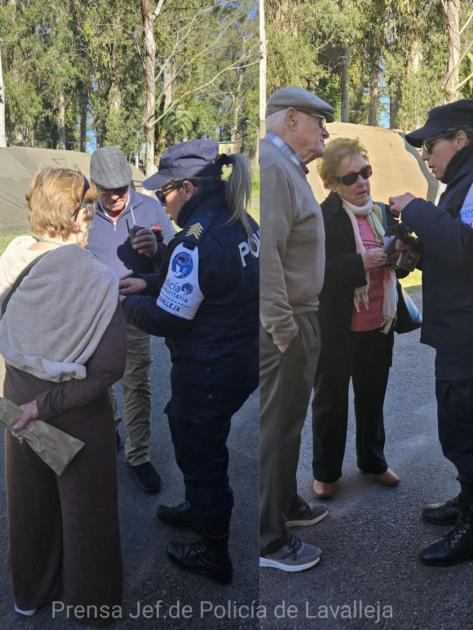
[196, 558]
[178, 516]
[442, 513]
[455, 546]
[146, 477]
[118, 440]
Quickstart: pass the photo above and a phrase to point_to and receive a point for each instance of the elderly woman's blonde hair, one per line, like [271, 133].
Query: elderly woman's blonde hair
[54, 200]
[335, 152]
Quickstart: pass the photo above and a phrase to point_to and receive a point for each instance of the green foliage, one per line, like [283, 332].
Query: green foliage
[89, 54]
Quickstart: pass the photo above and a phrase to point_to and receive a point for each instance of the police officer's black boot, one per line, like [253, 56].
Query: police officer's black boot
[177, 516]
[455, 546]
[209, 557]
[443, 513]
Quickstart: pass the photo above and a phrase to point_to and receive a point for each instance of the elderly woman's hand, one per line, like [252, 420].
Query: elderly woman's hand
[29, 413]
[398, 203]
[374, 257]
[129, 286]
[145, 243]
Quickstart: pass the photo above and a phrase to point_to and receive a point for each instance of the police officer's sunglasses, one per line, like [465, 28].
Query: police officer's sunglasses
[162, 193]
[350, 178]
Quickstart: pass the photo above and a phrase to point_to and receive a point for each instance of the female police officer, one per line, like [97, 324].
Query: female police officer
[207, 308]
[447, 237]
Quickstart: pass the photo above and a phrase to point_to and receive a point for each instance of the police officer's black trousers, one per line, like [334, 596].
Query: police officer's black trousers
[201, 453]
[455, 425]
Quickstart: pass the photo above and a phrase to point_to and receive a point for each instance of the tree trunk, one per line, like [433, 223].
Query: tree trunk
[83, 119]
[345, 115]
[168, 85]
[262, 71]
[237, 100]
[114, 98]
[395, 103]
[3, 132]
[373, 106]
[150, 104]
[451, 80]
[61, 122]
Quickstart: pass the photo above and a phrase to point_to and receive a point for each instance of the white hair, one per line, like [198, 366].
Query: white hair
[275, 121]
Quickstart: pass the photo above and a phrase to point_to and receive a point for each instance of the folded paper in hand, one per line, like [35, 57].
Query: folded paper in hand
[55, 447]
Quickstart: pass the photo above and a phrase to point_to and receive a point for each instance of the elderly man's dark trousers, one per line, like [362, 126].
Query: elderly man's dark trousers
[285, 383]
[200, 446]
[455, 425]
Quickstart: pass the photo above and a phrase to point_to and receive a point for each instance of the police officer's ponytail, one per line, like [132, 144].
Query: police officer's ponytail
[238, 187]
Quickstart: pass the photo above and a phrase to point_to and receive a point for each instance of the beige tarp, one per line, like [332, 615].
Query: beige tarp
[397, 167]
[17, 167]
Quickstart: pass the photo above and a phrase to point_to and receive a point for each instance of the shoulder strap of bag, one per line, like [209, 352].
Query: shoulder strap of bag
[18, 281]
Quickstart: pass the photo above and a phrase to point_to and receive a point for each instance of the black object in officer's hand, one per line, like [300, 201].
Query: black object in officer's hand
[407, 258]
[132, 231]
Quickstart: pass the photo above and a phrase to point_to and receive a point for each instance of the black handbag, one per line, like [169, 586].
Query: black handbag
[408, 315]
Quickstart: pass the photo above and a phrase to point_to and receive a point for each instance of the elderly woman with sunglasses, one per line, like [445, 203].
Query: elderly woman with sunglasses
[356, 314]
[62, 336]
[447, 287]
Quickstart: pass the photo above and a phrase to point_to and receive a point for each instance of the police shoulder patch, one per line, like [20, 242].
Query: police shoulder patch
[180, 294]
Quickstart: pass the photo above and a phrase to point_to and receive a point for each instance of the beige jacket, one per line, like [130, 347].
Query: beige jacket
[292, 262]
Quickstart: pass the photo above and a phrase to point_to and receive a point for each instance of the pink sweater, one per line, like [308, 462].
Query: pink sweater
[370, 318]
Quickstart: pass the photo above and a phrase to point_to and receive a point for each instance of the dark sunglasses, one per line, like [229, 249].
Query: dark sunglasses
[429, 143]
[161, 193]
[85, 188]
[114, 191]
[350, 178]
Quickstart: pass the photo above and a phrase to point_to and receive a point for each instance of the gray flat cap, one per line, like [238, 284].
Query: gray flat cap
[300, 99]
[109, 168]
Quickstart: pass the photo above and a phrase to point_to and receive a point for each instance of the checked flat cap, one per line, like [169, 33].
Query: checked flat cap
[300, 99]
[109, 168]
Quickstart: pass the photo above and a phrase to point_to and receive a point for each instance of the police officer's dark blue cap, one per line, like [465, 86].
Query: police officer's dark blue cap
[194, 158]
[451, 116]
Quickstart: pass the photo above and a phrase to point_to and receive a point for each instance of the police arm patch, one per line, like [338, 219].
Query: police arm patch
[180, 294]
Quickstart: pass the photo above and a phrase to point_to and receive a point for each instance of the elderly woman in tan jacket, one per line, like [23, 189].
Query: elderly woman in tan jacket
[63, 341]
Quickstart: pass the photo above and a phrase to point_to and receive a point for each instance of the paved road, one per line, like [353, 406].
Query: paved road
[149, 576]
[371, 536]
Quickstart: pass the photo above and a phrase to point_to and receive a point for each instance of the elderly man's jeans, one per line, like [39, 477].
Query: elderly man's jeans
[136, 390]
[455, 425]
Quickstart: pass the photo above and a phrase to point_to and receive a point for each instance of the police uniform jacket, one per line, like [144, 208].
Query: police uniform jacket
[206, 307]
[447, 263]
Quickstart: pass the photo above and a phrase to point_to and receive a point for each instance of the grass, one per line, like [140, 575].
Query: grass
[413, 280]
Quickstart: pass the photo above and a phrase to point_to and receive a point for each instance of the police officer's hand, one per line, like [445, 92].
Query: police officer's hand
[145, 243]
[128, 286]
[398, 203]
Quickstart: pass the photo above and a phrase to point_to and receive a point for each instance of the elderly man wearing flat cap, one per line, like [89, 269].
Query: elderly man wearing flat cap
[447, 287]
[292, 273]
[121, 237]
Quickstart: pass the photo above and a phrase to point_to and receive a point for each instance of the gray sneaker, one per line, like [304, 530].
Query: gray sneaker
[293, 557]
[309, 515]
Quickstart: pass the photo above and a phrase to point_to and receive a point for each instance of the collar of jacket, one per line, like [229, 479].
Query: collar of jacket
[210, 199]
[333, 203]
[460, 165]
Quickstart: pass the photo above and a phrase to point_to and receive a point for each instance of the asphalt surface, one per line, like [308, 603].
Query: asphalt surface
[174, 599]
[372, 535]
